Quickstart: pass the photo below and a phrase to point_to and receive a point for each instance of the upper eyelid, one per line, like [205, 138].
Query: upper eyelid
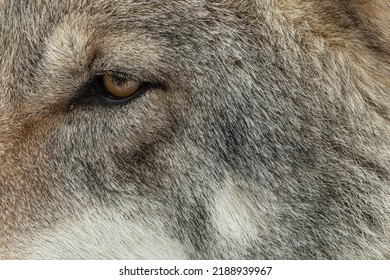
[100, 66]
[120, 75]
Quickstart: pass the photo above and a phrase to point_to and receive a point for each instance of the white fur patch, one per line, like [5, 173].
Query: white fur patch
[113, 237]
[234, 215]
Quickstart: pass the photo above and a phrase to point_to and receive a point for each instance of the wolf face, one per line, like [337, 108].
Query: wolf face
[251, 129]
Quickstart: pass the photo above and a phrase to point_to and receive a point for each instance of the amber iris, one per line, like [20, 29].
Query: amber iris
[120, 88]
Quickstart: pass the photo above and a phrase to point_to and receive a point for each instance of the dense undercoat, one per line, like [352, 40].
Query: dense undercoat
[268, 136]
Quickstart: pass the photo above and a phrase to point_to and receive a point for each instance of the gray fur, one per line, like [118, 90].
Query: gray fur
[266, 134]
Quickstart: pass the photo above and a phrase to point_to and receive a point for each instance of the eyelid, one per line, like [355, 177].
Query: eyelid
[117, 75]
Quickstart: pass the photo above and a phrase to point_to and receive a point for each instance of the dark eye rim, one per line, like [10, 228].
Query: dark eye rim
[94, 92]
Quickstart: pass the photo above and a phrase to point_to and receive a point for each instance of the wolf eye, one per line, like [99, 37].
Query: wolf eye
[120, 88]
[111, 89]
